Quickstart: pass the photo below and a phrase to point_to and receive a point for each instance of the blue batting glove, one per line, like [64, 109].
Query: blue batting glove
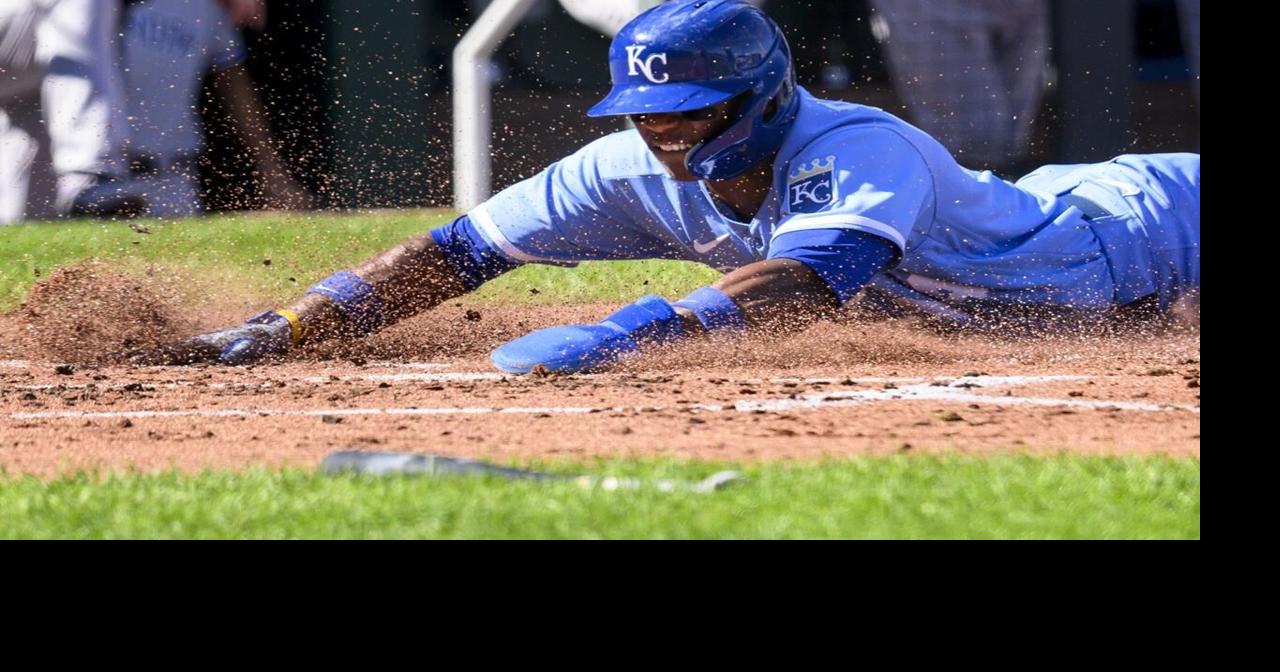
[261, 336]
[268, 334]
[576, 348]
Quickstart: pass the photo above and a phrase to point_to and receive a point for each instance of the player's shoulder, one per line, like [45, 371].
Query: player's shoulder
[618, 155]
[832, 127]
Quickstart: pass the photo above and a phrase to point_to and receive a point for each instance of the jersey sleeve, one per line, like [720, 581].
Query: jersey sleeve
[571, 211]
[871, 180]
[846, 259]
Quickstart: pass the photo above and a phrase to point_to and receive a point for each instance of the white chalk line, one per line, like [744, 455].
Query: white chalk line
[377, 364]
[286, 412]
[931, 393]
[956, 390]
[273, 383]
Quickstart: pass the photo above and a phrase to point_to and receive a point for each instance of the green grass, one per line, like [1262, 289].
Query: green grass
[1002, 497]
[226, 252]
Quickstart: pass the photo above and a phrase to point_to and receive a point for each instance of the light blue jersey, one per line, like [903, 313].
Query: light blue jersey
[964, 236]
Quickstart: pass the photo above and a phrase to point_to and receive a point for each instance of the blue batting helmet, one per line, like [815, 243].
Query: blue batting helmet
[689, 54]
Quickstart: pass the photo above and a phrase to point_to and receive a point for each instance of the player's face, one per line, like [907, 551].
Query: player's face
[671, 135]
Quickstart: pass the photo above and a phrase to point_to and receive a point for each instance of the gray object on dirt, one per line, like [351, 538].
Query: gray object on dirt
[412, 464]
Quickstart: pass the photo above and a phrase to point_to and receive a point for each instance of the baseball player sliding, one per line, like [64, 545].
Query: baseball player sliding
[804, 203]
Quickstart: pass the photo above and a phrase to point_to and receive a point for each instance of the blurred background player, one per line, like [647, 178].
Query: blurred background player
[971, 72]
[169, 47]
[62, 122]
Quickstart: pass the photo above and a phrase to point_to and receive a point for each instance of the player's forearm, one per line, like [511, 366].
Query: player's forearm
[802, 283]
[411, 277]
[249, 117]
[406, 279]
[768, 295]
[778, 293]
[403, 281]
[811, 276]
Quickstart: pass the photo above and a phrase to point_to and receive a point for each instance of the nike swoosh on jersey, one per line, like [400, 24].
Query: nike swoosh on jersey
[703, 248]
[1125, 188]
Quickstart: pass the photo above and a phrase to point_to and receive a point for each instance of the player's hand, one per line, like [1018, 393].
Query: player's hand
[262, 336]
[568, 349]
[586, 347]
[247, 13]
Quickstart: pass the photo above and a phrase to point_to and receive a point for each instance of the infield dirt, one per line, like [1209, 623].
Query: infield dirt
[853, 386]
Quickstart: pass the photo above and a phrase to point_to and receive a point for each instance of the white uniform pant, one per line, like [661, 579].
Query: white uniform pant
[57, 62]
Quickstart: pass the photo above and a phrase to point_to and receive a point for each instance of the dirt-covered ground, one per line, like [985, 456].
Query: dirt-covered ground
[853, 386]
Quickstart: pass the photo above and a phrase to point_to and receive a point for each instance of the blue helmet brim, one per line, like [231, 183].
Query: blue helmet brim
[659, 98]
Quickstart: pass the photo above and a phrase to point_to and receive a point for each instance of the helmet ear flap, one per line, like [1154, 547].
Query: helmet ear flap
[781, 99]
[771, 109]
[756, 134]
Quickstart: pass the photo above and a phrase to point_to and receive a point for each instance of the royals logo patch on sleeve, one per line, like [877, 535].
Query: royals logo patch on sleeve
[812, 186]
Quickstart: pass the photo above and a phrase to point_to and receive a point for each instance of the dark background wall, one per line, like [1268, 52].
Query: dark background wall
[358, 91]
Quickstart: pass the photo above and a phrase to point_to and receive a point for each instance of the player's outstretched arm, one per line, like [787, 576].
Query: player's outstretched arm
[777, 295]
[249, 118]
[804, 282]
[406, 279]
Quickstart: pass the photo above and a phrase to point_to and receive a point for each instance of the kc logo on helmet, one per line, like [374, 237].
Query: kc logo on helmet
[645, 65]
